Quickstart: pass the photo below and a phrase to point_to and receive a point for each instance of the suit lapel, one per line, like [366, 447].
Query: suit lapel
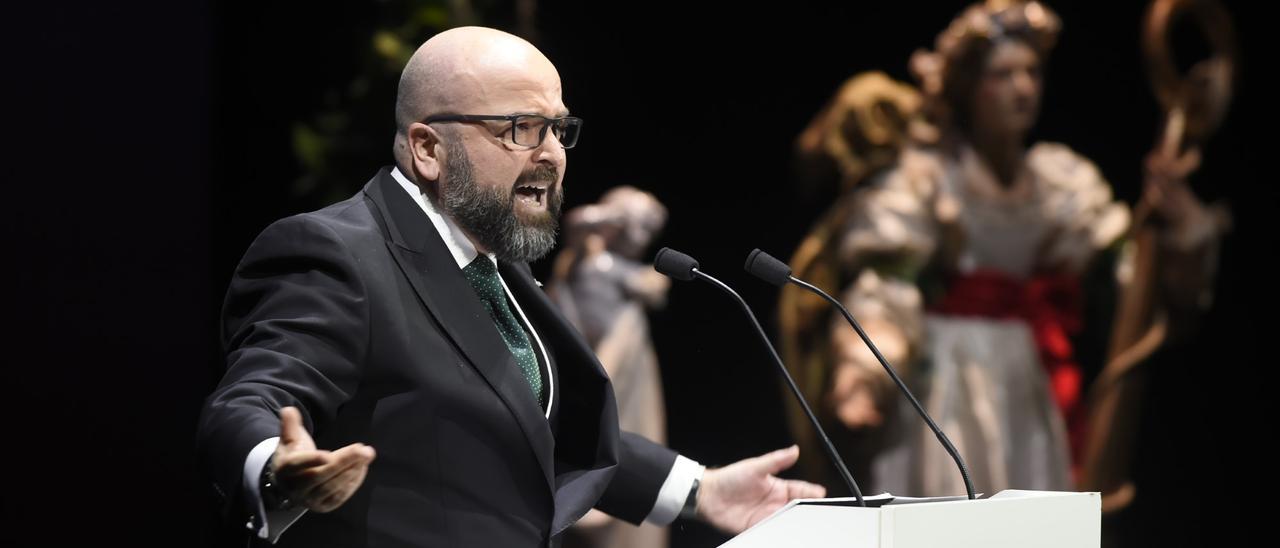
[439, 284]
[588, 421]
[552, 326]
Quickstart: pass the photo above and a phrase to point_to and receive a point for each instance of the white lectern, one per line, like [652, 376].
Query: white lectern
[1011, 518]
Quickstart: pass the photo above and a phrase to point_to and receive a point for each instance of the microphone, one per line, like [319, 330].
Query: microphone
[682, 267]
[767, 268]
[675, 264]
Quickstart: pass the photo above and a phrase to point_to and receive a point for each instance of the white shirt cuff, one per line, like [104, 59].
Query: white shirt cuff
[675, 491]
[270, 525]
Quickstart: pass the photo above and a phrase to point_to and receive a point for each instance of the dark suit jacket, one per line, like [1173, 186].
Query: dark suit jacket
[358, 315]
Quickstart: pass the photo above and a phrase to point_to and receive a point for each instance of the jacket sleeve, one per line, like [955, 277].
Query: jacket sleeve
[295, 328]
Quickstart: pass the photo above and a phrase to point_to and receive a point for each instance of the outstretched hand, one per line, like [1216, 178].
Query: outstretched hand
[318, 479]
[741, 494]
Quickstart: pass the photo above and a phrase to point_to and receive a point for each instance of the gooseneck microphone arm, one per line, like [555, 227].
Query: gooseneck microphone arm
[766, 267]
[937, 432]
[791, 383]
[683, 267]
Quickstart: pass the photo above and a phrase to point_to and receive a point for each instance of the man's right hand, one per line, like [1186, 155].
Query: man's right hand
[317, 479]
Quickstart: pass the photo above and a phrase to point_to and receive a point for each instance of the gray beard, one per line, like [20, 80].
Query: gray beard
[488, 213]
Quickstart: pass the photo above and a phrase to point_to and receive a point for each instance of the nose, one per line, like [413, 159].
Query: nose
[550, 151]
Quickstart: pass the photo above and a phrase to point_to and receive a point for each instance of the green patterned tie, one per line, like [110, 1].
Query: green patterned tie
[483, 276]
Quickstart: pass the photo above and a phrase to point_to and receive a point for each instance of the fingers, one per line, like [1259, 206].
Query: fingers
[291, 463]
[797, 489]
[776, 461]
[320, 480]
[324, 480]
[336, 491]
[336, 463]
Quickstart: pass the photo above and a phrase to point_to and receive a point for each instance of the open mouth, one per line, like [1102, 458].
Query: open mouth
[533, 195]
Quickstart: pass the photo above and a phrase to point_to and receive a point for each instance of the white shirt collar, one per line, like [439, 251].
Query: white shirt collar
[454, 238]
[463, 253]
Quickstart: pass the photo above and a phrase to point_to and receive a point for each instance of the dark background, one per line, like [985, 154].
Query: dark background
[149, 143]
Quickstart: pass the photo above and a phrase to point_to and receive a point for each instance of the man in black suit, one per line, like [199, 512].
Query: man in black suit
[405, 318]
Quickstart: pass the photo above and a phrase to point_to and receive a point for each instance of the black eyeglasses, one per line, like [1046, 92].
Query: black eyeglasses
[527, 130]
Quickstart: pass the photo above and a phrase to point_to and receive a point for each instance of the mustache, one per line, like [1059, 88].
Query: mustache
[541, 174]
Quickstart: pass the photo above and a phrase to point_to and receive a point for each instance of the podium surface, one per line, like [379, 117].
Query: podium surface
[1012, 518]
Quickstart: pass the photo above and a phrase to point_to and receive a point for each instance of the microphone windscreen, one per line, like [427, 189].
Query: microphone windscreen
[674, 264]
[764, 266]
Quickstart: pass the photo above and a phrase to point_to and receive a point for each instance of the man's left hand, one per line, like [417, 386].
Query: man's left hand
[737, 496]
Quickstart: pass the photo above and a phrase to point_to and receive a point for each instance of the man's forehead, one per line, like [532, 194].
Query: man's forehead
[514, 92]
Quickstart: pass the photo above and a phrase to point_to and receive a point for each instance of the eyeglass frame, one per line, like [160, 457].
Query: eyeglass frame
[542, 135]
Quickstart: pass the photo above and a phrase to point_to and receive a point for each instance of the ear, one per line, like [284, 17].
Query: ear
[424, 149]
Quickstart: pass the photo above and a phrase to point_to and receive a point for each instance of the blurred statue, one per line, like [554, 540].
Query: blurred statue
[973, 261]
[601, 286]
[1194, 106]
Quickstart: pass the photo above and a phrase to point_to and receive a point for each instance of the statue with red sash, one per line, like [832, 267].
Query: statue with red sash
[971, 256]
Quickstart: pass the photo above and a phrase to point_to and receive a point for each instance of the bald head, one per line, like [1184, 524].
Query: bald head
[469, 70]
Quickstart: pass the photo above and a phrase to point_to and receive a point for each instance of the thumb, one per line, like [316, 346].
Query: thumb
[292, 432]
[777, 461]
